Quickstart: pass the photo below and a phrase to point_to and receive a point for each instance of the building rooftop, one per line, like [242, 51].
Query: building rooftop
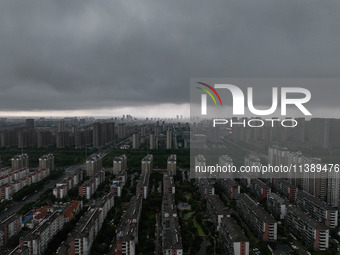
[94, 157]
[47, 156]
[285, 182]
[307, 219]
[258, 210]
[217, 204]
[260, 183]
[168, 180]
[10, 219]
[234, 230]
[85, 223]
[35, 233]
[148, 157]
[172, 237]
[172, 157]
[128, 226]
[104, 199]
[69, 210]
[276, 198]
[143, 180]
[19, 250]
[316, 201]
[230, 182]
[168, 204]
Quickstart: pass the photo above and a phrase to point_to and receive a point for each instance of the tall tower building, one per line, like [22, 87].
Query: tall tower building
[93, 164]
[19, 161]
[171, 166]
[96, 134]
[152, 142]
[29, 123]
[44, 139]
[46, 161]
[61, 125]
[142, 130]
[120, 164]
[63, 139]
[169, 138]
[79, 139]
[147, 164]
[135, 141]
[121, 131]
[155, 130]
[103, 133]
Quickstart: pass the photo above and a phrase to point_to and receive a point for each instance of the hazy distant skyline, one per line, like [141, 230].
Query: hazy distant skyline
[82, 58]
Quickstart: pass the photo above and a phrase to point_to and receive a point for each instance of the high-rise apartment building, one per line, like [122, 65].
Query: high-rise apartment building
[121, 131]
[20, 161]
[169, 138]
[119, 164]
[103, 134]
[93, 164]
[29, 123]
[147, 164]
[171, 166]
[47, 161]
[135, 141]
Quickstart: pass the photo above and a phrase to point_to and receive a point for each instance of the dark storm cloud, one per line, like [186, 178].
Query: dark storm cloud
[93, 54]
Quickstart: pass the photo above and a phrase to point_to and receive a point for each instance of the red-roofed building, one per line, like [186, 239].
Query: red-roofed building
[72, 210]
[41, 213]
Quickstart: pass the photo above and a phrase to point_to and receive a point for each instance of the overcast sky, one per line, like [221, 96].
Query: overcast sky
[109, 57]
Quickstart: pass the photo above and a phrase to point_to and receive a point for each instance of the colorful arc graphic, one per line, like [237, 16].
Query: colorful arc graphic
[212, 89]
[208, 94]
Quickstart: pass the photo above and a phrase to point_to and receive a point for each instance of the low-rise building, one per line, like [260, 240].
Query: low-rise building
[216, 210]
[277, 206]
[318, 209]
[142, 187]
[19, 250]
[89, 187]
[259, 189]
[62, 188]
[171, 234]
[116, 188]
[232, 238]
[313, 233]
[171, 238]
[13, 181]
[127, 231]
[263, 225]
[168, 184]
[285, 188]
[168, 206]
[10, 227]
[230, 187]
[72, 210]
[38, 239]
[206, 188]
[83, 236]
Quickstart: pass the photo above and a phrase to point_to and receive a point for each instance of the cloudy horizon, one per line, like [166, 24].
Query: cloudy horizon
[132, 57]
